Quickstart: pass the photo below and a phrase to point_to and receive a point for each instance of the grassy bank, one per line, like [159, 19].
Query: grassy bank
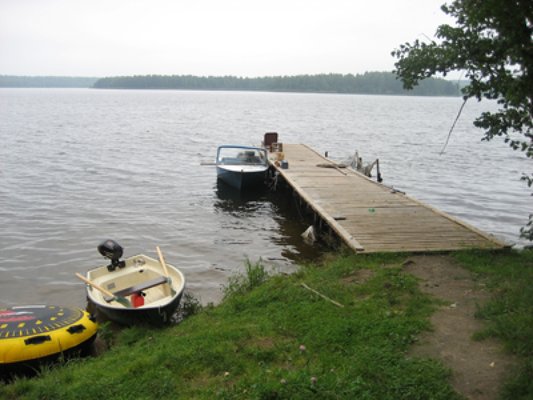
[509, 314]
[273, 337]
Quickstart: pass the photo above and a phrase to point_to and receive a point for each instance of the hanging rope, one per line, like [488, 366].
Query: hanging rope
[453, 126]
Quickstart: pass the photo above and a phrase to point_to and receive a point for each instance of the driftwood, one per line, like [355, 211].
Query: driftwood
[334, 166]
[321, 295]
[329, 165]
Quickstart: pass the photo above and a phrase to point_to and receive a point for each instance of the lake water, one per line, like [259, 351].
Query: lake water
[78, 166]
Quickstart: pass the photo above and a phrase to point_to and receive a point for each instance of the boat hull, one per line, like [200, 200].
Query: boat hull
[159, 301]
[243, 179]
[156, 316]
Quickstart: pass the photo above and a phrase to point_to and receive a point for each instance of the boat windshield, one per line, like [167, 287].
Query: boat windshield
[241, 156]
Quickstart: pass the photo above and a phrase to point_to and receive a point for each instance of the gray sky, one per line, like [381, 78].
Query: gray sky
[208, 37]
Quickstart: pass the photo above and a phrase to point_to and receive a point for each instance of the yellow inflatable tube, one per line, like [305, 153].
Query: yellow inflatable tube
[35, 332]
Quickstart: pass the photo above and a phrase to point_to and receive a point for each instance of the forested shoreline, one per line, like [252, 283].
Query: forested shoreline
[378, 83]
[384, 83]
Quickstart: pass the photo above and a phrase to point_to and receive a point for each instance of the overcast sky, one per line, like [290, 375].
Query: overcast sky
[208, 37]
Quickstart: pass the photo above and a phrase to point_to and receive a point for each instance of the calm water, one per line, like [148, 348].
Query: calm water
[78, 166]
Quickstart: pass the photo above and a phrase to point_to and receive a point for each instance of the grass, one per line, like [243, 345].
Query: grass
[509, 314]
[273, 339]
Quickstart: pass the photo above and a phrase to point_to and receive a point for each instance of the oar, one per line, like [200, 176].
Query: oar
[165, 269]
[122, 300]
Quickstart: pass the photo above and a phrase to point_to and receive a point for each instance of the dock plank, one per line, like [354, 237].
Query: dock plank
[370, 217]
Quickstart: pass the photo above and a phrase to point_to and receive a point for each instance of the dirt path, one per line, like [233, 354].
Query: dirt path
[478, 367]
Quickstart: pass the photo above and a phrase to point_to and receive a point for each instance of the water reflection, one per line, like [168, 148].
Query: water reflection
[273, 215]
[239, 202]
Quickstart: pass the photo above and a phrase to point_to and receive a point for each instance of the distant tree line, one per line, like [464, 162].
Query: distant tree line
[11, 81]
[379, 83]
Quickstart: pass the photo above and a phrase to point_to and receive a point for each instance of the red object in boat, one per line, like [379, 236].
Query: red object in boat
[137, 300]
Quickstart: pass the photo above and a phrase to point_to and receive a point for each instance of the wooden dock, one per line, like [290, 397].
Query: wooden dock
[370, 217]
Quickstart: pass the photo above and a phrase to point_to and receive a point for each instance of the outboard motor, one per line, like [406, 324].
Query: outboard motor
[112, 250]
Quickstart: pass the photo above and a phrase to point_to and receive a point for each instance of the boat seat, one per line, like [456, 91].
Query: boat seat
[270, 137]
[141, 286]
